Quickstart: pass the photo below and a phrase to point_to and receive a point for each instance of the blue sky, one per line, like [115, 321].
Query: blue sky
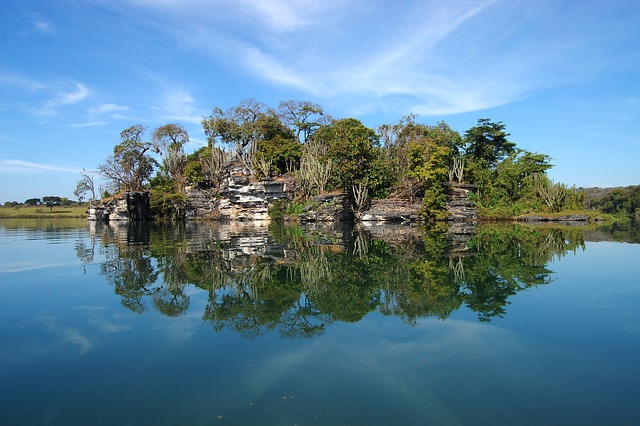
[564, 76]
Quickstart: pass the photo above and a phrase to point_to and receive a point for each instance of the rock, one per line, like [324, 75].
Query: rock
[128, 206]
[238, 197]
[460, 208]
[563, 218]
[328, 208]
[392, 210]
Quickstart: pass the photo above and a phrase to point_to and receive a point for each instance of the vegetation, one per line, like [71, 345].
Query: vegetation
[409, 160]
[75, 210]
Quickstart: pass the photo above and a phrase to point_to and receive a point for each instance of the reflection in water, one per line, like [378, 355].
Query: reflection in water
[298, 280]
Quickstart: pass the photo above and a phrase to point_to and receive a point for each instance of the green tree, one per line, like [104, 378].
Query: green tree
[236, 130]
[32, 202]
[51, 201]
[130, 166]
[303, 117]
[277, 144]
[351, 147]
[487, 143]
[170, 139]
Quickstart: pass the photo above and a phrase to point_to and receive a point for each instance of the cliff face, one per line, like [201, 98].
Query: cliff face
[122, 207]
[459, 206]
[238, 198]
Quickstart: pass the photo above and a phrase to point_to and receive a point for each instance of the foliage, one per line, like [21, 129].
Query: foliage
[167, 205]
[130, 166]
[85, 185]
[281, 209]
[304, 118]
[51, 201]
[170, 140]
[621, 201]
[428, 164]
[487, 144]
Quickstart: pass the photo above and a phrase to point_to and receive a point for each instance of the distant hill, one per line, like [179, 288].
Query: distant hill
[594, 196]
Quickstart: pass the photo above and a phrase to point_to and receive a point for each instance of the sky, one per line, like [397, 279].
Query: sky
[563, 76]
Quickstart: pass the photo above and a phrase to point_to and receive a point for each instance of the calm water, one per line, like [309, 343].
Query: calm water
[250, 324]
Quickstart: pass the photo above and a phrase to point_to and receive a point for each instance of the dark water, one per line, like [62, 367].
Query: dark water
[263, 324]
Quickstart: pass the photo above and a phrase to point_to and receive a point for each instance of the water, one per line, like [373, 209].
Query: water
[254, 324]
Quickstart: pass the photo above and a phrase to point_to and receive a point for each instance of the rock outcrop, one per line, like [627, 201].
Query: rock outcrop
[238, 198]
[328, 208]
[459, 206]
[392, 210]
[128, 206]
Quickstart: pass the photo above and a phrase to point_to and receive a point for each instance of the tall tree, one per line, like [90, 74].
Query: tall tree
[236, 129]
[130, 166]
[301, 116]
[85, 185]
[51, 201]
[170, 139]
[487, 143]
[351, 148]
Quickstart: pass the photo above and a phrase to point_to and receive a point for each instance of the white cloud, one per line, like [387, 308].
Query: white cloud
[431, 56]
[20, 82]
[72, 97]
[179, 105]
[20, 166]
[42, 25]
[107, 108]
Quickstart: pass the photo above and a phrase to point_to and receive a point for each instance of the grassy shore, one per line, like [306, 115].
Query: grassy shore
[37, 212]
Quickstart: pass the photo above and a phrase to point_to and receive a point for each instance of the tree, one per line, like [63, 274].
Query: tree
[487, 143]
[304, 117]
[170, 139]
[51, 201]
[236, 129]
[130, 166]
[351, 149]
[85, 185]
[32, 202]
[277, 144]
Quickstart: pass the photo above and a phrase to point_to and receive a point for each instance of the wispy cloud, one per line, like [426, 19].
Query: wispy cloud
[42, 25]
[19, 82]
[70, 97]
[20, 166]
[107, 108]
[180, 106]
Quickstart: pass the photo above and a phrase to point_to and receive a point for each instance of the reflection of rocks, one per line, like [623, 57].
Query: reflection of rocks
[459, 234]
[568, 218]
[393, 232]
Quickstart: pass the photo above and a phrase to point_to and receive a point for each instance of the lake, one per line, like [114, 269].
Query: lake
[238, 324]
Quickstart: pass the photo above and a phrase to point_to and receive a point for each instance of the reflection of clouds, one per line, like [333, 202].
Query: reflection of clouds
[183, 328]
[30, 266]
[104, 324]
[107, 326]
[68, 334]
[412, 368]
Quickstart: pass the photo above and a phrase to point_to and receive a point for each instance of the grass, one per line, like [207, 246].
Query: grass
[43, 212]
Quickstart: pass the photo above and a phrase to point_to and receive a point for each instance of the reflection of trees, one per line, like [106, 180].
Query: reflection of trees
[511, 259]
[132, 275]
[297, 282]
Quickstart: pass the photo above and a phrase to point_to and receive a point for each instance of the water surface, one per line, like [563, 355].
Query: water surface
[263, 324]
